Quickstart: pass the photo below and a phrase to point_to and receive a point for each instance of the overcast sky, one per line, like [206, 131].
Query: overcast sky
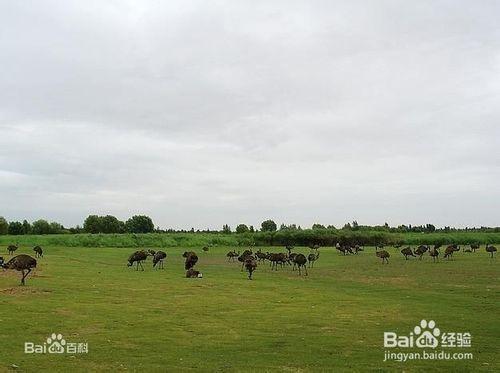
[200, 113]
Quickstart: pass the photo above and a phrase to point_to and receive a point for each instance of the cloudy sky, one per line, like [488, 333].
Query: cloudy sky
[200, 113]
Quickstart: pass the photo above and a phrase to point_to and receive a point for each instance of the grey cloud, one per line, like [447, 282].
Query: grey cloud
[202, 113]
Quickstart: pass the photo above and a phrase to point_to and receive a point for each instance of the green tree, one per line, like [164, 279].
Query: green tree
[55, 227]
[226, 228]
[26, 227]
[268, 226]
[242, 228]
[92, 224]
[15, 228]
[41, 226]
[4, 226]
[110, 224]
[140, 224]
[318, 226]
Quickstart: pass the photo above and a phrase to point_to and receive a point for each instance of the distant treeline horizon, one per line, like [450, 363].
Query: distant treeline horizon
[107, 224]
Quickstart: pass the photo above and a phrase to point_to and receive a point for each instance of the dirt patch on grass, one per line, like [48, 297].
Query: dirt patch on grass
[23, 290]
[400, 281]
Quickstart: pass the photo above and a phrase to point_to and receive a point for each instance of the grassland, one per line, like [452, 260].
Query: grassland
[332, 320]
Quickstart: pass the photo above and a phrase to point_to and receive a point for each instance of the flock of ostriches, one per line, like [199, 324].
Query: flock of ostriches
[250, 260]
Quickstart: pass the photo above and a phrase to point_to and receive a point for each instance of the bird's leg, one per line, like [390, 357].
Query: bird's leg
[142, 268]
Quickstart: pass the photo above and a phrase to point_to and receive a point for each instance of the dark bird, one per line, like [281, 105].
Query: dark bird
[205, 248]
[250, 266]
[491, 249]
[232, 255]
[291, 259]
[448, 252]
[21, 263]
[243, 257]
[474, 247]
[261, 256]
[158, 258]
[312, 258]
[382, 254]
[275, 259]
[191, 273]
[407, 252]
[191, 259]
[11, 249]
[434, 253]
[300, 260]
[341, 249]
[39, 251]
[420, 251]
[138, 257]
[357, 249]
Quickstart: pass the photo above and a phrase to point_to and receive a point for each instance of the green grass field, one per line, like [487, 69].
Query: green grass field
[332, 320]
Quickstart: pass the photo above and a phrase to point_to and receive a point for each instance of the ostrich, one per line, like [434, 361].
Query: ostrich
[191, 273]
[357, 249]
[231, 255]
[491, 249]
[384, 255]
[341, 249]
[250, 265]
[243, 257]
[312, 258]
[420, 251]
[191, 259]
[314, 247]
[291, 259]
[435, 254]
[151, 252]
[300, 260]
[407, 252]
[289, 248]
[39, 251]
[448, 252]
[158, 258]
[261, 256]
[275, 259]
[21, 263]
[138, 257]
[11, 249]
[474, 247]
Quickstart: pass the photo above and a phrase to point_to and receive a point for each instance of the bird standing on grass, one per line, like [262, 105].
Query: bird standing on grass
[158, 258]
[382, 254]
[21, 263]
[39, 251]
[138, 257]
[491, 249]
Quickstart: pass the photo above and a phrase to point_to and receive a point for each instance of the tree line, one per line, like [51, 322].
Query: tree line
[144, 224]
